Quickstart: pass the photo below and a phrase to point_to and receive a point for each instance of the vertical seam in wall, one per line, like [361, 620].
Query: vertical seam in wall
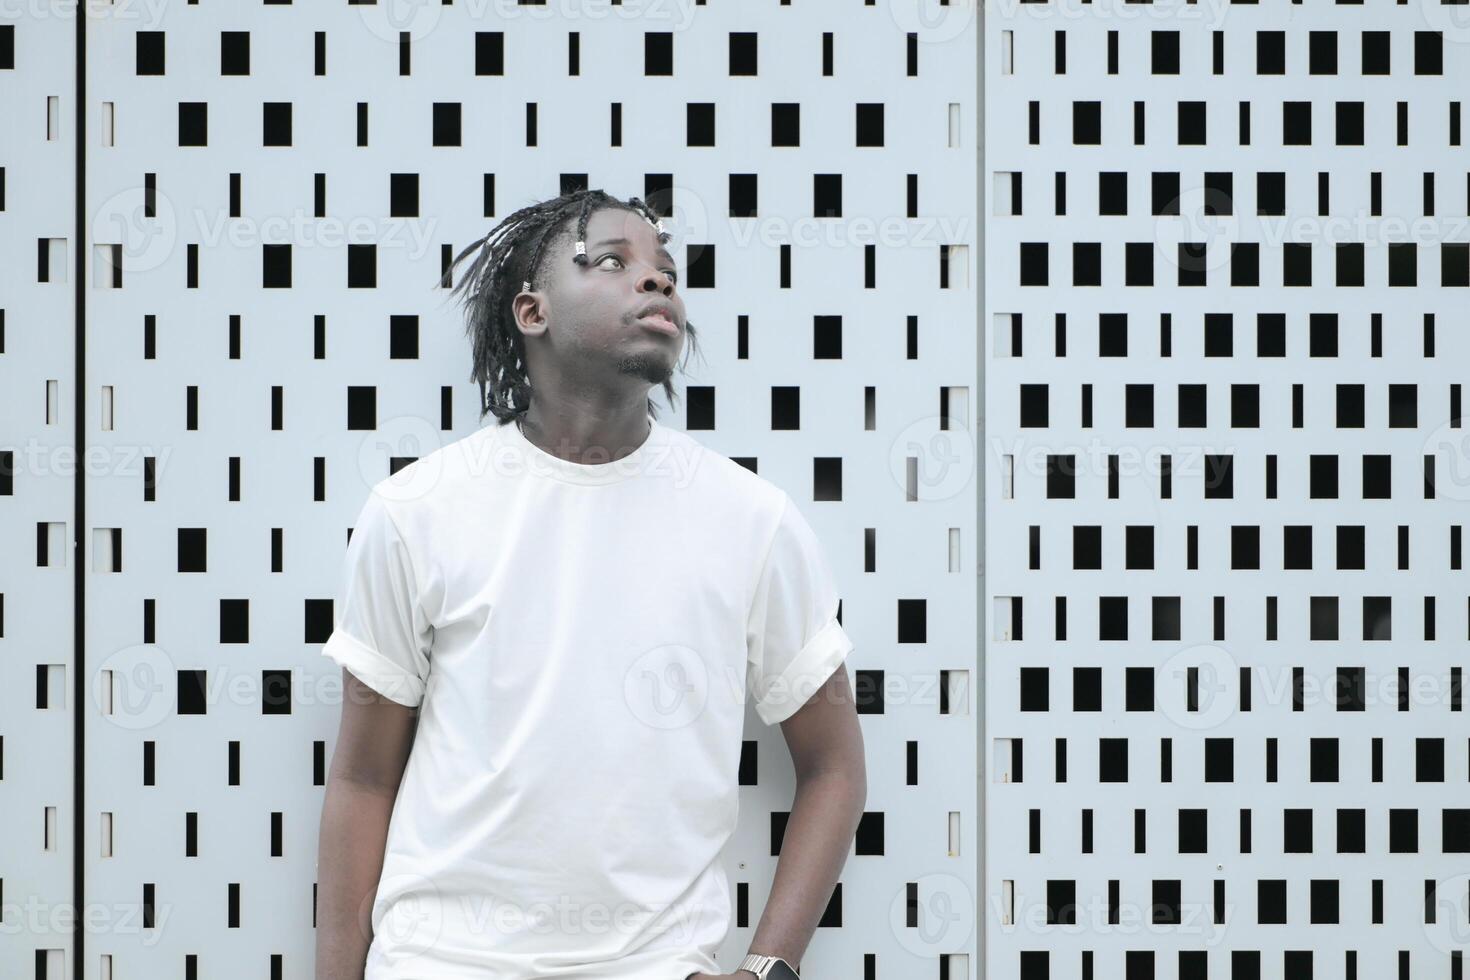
[79, 489]
[981, 907]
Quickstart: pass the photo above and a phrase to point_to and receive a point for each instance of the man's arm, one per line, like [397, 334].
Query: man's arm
[826, 745]
[373, 742]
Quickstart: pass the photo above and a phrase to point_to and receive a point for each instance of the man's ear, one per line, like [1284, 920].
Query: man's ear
[527, 309]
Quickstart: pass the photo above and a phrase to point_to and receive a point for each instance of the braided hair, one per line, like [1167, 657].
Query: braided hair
[506, 265]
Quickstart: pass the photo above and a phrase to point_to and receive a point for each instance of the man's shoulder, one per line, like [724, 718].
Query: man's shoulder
[718, 472]
[440, 464]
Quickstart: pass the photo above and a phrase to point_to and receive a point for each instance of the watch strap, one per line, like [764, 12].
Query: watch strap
[761, 965]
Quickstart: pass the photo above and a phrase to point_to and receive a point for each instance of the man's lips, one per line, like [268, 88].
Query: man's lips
[660, 323]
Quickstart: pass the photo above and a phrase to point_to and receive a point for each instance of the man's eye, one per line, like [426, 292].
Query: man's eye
[673, 273]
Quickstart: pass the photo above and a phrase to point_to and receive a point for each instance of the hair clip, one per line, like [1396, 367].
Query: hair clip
[525, 285]
[660, 226]
[581, 248]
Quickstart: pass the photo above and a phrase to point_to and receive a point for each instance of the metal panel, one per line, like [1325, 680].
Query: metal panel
[222, 342]
[1239, 563]
[38, 466]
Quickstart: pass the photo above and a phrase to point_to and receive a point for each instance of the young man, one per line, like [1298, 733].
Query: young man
[548, 632]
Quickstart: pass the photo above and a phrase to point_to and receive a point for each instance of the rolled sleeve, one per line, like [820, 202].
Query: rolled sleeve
[380, 632]
[794, 640]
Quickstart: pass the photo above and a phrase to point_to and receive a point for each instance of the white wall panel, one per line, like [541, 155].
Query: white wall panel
[264, 412]
[38, 475]
[1138, 372]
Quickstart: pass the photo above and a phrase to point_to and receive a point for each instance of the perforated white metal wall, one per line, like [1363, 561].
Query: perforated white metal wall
[271, 193]
[38, 467]
[1225, 326]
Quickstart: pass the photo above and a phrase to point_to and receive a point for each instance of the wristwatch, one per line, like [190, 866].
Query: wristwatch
[768, 967]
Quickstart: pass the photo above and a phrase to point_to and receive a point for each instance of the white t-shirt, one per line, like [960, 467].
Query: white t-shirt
[579, 639]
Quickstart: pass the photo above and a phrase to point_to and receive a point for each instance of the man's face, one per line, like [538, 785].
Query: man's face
[588, 326]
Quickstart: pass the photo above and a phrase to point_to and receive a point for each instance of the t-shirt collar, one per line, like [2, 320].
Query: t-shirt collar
[541, 463]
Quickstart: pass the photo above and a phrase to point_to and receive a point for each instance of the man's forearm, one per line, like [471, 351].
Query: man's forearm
[354, 830]
[819, 833]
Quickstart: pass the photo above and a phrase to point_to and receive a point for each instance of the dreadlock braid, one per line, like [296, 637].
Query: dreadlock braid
[505, 267]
